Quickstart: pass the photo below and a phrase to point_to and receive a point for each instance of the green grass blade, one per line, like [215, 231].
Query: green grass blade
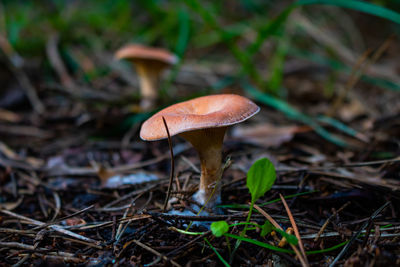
[184, 32]
[292, 113]
[181, 45]
[338, 125]
[270, 28]
[217, 253]
[276, 65]
[227, 37]
[259, 243]
[360, 6]
[268, 246]
[326, 249]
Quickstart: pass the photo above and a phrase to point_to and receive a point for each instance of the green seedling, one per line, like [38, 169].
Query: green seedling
[260, 178]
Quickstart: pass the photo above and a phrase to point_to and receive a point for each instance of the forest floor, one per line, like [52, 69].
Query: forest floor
[78, 185]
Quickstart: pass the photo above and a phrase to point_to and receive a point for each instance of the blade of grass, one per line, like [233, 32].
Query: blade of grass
[342, 127]
[276, 64]
[312, 252]
[184, 32]
[292, 113]
[227, 37]
[360, 6]
[268, 246]
[217, 253]
[273, 26]
[212, 37]
[259, 243]
[181, 45]
[270, 28]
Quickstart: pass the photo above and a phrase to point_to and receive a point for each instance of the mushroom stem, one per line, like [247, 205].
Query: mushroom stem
[148, 79]
[208, 144]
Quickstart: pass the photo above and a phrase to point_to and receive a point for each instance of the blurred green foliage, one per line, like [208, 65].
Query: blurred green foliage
[241, 26]
[255, 36]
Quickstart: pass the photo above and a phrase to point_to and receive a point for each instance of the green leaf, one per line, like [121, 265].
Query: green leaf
[219, 228]
[266, 228]
[260, 178]
[291, 239]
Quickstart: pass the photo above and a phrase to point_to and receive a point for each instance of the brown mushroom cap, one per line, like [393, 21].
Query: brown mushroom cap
[140, 52]
[199, 113]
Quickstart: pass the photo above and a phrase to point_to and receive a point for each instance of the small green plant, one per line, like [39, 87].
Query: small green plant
[260, 179]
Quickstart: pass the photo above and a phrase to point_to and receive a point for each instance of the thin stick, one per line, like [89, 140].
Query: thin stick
[274, 223]
[54, 227]
[32, 248]
[63, 218]
[155, 252]
[171, 174]
[328, 220]
[296, 230]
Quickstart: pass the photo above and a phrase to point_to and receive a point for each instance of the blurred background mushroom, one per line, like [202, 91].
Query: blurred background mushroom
[149, 63]
[203, 122]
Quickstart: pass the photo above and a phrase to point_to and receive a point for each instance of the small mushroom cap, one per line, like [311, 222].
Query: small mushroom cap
[140, 52]
[200, 113]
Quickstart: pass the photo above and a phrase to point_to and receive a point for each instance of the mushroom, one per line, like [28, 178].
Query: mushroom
[149, 63]
[202, 121]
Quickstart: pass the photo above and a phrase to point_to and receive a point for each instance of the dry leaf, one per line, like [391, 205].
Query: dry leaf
[268, 135]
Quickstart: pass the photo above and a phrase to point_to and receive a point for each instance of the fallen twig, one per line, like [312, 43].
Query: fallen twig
[57, 228]
[329, 219]
[156, 253]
